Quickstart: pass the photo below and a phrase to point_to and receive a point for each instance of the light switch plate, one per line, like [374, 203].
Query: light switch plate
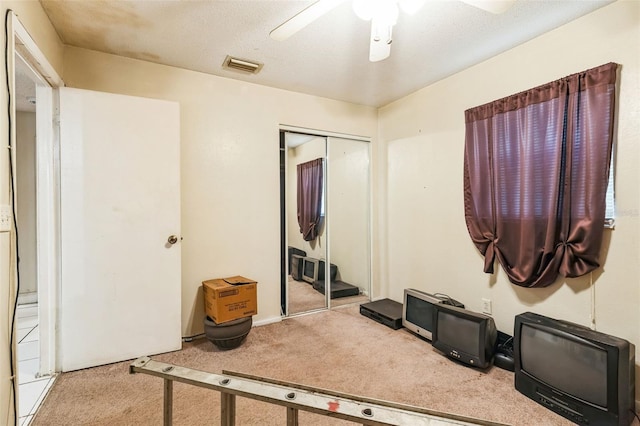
[5, 218]
[486, 306]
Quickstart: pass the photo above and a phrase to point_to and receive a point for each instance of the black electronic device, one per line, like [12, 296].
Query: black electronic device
[503, 356]
[504, 361]
[297, 266]
[466, 336]
[291, 251]
[384, 311]
[582, 374]
[338, 289]
[333, 271]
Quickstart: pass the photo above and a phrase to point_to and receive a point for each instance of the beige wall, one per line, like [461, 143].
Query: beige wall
[428, 246]
[26, 181]
[35, 21]
[229, 162]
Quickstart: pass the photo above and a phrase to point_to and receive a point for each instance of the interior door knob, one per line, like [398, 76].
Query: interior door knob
[172, 239]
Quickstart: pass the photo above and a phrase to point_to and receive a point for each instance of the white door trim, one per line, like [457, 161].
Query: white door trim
[31, 53]
[47, 191]
[316, 132]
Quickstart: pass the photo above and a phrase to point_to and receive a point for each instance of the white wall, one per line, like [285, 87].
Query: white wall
[428, 246]
[229, 162]
[26, 181]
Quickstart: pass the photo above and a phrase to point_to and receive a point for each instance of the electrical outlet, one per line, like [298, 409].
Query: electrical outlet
[5, 218]
[486, 306]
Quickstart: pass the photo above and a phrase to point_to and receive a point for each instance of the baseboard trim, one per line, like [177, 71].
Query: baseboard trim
[267, 321]
[188, 339]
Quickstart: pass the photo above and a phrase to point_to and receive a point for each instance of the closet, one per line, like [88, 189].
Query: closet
[325, 221]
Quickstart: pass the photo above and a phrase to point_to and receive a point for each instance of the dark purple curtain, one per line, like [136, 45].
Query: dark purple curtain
[536, 167]
[309, 198]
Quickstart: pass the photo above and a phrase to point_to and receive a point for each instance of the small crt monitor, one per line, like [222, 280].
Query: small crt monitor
[417, 312]
[310, 269]
[466, 336]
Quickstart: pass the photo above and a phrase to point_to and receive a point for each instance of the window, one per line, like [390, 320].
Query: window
[610, 213]
[536, 177]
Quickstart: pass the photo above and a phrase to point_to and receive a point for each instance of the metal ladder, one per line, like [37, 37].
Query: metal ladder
[294, 397]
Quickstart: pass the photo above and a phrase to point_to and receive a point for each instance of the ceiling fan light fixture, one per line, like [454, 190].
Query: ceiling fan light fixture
[410, 7]
[381, 32]
[383, 10]
[383, 15]
[380, 43]
[363, 9]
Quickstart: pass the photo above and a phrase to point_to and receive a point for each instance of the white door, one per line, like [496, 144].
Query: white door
[120, 202]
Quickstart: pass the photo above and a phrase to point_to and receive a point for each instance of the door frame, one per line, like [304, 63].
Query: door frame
[47, 187]
[284, 288]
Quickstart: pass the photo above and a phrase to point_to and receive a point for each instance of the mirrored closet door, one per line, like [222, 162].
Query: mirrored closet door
[325, 187]
[306, 231]
[348, 224]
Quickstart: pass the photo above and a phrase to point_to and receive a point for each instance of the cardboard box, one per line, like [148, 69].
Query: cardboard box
[226, 299]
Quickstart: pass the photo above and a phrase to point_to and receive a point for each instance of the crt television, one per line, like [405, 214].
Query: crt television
[417, 312]
[297, 266]
[313, 270]
[310, 269]
[466, 336]
[581, 374]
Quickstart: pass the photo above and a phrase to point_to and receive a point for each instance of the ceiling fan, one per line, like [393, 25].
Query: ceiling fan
[383, 15]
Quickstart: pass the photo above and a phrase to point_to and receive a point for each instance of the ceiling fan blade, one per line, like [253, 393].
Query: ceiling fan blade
[304, 18]
[493, 6]
[380, 45]
[379, 50]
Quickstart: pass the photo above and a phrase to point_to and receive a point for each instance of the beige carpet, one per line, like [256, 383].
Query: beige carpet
[339, 350]
[303, 298]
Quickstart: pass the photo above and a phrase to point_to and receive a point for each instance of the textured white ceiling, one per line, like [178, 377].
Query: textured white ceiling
[328, 58]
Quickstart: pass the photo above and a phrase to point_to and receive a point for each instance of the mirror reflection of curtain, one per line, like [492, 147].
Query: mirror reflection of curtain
[309, 196]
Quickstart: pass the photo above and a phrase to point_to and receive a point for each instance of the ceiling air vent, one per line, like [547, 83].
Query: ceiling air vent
[243, 65]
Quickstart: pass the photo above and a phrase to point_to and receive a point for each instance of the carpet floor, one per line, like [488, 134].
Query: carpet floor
[339, 350]
[303, 298]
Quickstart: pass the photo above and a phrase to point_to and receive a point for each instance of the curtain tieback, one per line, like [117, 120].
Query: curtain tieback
[489, 257]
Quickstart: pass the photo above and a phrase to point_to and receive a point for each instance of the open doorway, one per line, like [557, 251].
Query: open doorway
[34, 206]
[31, 384]
[25, 152]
